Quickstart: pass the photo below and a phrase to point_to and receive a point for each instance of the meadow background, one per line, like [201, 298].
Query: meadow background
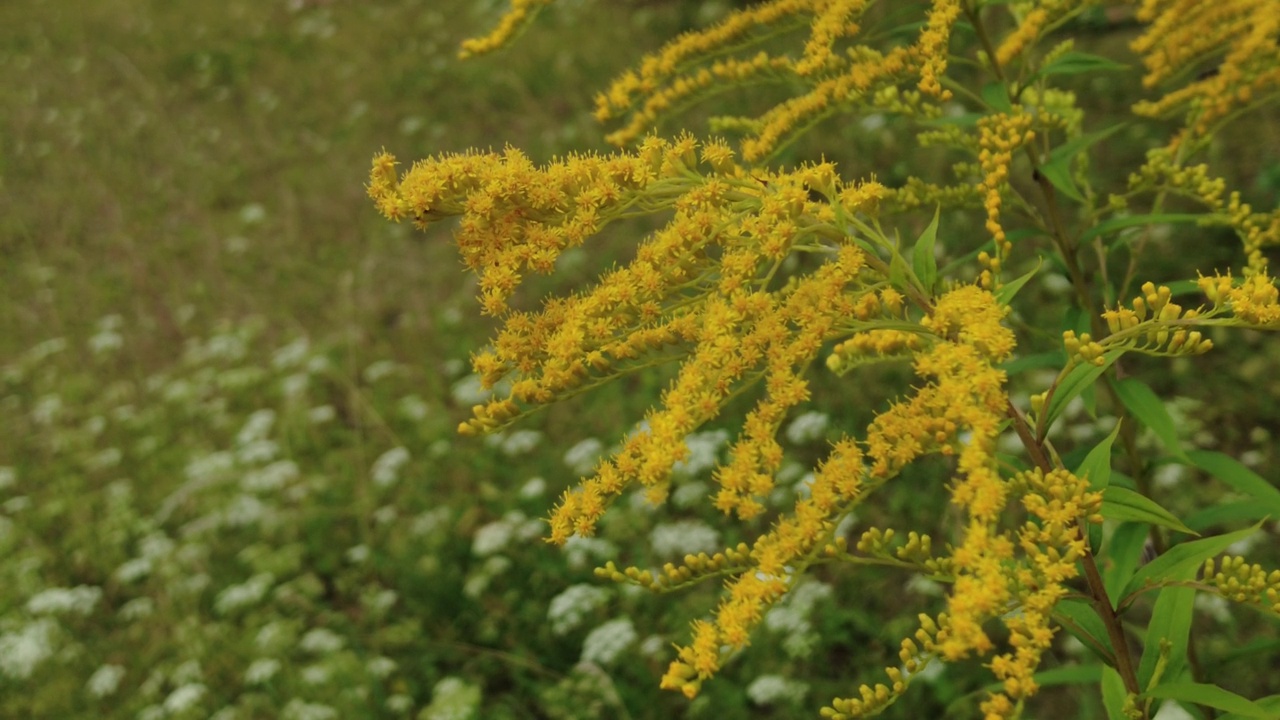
[229, 480]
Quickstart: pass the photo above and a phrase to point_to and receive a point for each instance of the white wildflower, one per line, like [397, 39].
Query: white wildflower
[358, 554]
[399, 703]
[295, 385]
[132, 570]
[519, 442]
[22, 651]
[429, 521]
[257, 427]
[79, 600]
[379, 370]
[579, 551]
[386, 469]
[261, 671]
[315, 675]
[291, 355]
[136, 609]
[105, 680]
[608, 642]
[250, 592]
[381, 667]
[568, 609]
[704, 452]
[775, 689]
[8, 477]
[46, 409]
[321, 640]
[469, 391]
[298, 709]
[582, 457]
[258, 452]
[452, 699]
[321, 414]
[210, 468]
[412, 407]
[808, 427]
[270, 478]
[534, 487]
[684, 537]
[184, 698]
[690, 494]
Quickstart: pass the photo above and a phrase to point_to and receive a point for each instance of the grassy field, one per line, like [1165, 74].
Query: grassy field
[229, 481]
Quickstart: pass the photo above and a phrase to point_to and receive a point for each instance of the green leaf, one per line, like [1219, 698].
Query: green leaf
[898, 271]
[1211, 696]
[1122, 555]
[1147, 407]
[1057, 169]
[1171, 622]
[1113, 694]
[1080, 619]
[1078, 378]
[1007, 291]
[1075, 63]
[1038, 361]
[996, 97]
[1271, 704]
[923, 261]
[1097, 464]
[1121, 504]
[1128, 221]
[1184, 557]
[1232, 472]
[1070, 675]
[1228, 513]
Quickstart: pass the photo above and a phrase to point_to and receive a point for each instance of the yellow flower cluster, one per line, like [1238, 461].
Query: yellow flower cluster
[787, 548]
[723, 55]
[515, 19]
[1256, 229]
[1031, 26]
[1236, 580]
[1182, 33]
[999, 136]
[1256, 300]
[1152, 320]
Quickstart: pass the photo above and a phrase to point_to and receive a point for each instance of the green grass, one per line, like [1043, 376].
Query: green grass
[212, 349]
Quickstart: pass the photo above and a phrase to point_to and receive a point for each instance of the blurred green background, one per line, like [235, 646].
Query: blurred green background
[229, 482]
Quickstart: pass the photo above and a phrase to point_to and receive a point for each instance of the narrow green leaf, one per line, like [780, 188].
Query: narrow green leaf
[1007, 291]
[898, 271]
[1229, 513]
[1232, 472]
[1122, 504]
[1080, 619]
[1057, 169]
[1271, 704]
[1178, 560]
[923, 261]
[996, 97]
[1074, 63]
[1211, 696]
[1097, 464]
[1038, 361]
[1113, 694]
[1171, 622]
[1129, 221]
[1070, 675]
[1080, 377]
[1122, 555]
[1147, 407]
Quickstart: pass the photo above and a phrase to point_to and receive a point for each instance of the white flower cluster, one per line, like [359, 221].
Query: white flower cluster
[605, 644]
[573, 605]
[684, 537]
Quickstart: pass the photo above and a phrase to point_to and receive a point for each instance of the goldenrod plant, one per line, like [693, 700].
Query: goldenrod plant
[769, 267]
